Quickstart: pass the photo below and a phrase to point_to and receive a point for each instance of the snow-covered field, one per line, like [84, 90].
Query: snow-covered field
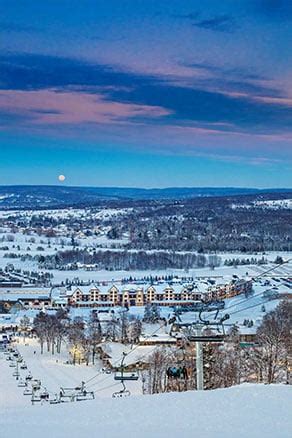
[28, 243]
[275, 204]
[104, 275]
[225, 272]
[68, 212]
[246, 411]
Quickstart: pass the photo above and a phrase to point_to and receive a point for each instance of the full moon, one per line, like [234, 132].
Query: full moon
[61, 178]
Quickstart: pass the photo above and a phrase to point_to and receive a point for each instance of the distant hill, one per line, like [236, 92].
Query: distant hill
[63, 196]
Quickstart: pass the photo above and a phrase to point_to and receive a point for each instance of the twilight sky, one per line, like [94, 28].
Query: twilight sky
[146, 93]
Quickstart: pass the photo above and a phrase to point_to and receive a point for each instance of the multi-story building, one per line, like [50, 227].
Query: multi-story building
[229, 290]
[24, 298]
[127, 295]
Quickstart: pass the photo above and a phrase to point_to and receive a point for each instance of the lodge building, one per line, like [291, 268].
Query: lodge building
[130, 295]
[229, 290]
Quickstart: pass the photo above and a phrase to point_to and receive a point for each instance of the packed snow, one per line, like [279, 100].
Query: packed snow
[253, 411]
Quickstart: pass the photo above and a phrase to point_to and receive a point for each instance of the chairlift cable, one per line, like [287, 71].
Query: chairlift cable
[227, 315]
[118, 361]
[106, 387]
[262, 292]
[109, 376]
[248, 298]
[130, 352]
[250, 307]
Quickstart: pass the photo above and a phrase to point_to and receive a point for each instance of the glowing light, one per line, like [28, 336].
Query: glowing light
[61, 178]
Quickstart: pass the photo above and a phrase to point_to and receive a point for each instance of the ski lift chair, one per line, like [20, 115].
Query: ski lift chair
[36, 384]
[28, 377]
[84, 395]
[35, 398]
[121, 376]
[122, 393]
[215, 323]
[68, 394]
[124, 376]
[27, 391]
[22, 384]
[56, 400]
[44, 395]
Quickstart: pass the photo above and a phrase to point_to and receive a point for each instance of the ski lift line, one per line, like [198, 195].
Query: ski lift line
[248, 298]
[258, 276]
[250, 307]
[45, 389]
[227, 315]
[109, 376]
[284, 262]
[127, 354]
[106, 387]
[92, 378]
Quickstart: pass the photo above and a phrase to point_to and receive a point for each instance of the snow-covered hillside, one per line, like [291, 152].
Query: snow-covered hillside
[240, 412]
[252, 411]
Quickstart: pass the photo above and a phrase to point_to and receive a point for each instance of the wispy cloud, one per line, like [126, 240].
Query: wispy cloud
[50, 107]
[234, 105]
[218, 23]
[230, 71]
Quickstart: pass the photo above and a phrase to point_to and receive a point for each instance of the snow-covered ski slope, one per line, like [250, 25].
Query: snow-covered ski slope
[252, 411]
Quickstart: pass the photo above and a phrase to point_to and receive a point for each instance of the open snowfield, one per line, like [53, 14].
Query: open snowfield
[25, 245]
[252, 411]
[224, 272]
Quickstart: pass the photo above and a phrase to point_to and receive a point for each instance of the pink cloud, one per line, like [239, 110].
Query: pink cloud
[54, 107]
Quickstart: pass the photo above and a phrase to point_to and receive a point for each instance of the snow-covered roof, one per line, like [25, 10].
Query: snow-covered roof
[24, 294]
[115, 351]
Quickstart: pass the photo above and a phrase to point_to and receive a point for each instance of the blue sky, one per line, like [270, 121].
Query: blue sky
[150, 94]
